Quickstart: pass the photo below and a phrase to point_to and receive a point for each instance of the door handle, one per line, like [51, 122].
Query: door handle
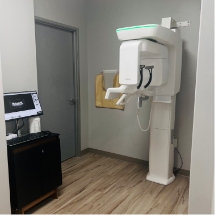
[72, 101]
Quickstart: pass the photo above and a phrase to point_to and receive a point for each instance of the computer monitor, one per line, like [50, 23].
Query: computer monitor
[21, 105]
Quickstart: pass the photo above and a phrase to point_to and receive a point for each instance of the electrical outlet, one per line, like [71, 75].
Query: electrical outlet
[175, 141]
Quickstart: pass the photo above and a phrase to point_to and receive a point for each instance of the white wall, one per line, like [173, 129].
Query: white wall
[202, 157]
[17, 45]
[18, 69]
[72, 13]
[117, 131]
[18, 56]
[4, 187]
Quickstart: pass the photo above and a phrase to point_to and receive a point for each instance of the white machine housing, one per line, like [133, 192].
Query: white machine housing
[143, 52]
[145, 42]
[160, 47]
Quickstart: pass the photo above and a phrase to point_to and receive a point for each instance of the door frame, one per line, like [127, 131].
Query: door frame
[76, 74]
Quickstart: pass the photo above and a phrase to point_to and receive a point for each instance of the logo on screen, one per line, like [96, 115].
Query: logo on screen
[16, 104]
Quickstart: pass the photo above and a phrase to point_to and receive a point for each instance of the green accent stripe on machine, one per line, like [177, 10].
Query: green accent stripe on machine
[138, 26]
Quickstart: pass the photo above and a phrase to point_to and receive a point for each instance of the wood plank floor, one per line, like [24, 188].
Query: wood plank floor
[102, 185]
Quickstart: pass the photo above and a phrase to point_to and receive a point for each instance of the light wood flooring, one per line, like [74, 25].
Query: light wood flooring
[97, 184]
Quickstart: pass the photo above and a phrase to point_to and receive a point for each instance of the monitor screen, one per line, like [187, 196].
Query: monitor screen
[21, 105]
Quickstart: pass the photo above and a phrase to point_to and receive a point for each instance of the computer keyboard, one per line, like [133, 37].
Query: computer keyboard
[27, 138]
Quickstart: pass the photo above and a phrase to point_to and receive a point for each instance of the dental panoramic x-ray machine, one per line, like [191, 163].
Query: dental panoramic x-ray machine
[150, 65]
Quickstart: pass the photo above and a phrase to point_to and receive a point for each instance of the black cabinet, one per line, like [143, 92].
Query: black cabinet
[51, 166]
[27, 176]
[34, 170]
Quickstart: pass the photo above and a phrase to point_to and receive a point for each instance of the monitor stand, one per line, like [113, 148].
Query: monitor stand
[17, 127]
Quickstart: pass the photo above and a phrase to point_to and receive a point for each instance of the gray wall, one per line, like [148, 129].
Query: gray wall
[117, 131]
[202, 156]
[72, 13]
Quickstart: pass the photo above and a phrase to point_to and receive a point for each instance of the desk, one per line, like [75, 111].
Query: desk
[34, 172]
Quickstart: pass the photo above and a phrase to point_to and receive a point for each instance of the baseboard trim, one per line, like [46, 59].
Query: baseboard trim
[120, 157]
[85, 151]
[126, 158]
[184, 172]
